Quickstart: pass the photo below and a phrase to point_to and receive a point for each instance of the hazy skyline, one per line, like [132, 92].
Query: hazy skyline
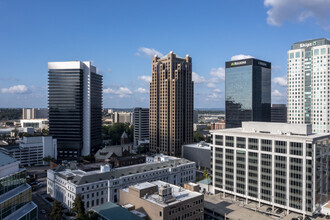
[121, 37]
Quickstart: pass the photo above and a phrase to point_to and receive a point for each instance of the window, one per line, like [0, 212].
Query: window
[316, 52]
[323, 51]
[297, 54]
[291, 55]
[229, 141]
[160, 213]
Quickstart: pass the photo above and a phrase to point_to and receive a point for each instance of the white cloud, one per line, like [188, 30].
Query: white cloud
[197, 78]
[121, 92]
[218, 72]
[212, 96]
[217, 90]
[211, 85]
[297, 10]
[142, 90]
[240, 57]
[145, 78]
[280, 81]
[277, 93]
[149, 52]
[18, 89]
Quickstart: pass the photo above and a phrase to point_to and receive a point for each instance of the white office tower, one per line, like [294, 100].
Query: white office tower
[282, 165]
[308, 84]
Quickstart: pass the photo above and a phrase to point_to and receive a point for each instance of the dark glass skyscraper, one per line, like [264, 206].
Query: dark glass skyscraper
[248, 91]
[75, 107]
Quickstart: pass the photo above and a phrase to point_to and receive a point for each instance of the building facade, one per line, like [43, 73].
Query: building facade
[307, 78]
[34, 113]
[15, 193]
[141, 125]
[37, 124]
[98, 187]
[32, 150]
[75, 107]
[123, 117]
[279, 113]
[248, 91]
[160, 200]
[171, 104]
[200, 153]
[218, 125]
[279, 164]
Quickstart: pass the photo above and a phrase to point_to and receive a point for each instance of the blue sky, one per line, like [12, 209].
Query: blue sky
[120, 37]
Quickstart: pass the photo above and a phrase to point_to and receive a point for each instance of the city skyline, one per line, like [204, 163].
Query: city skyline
[130, 34]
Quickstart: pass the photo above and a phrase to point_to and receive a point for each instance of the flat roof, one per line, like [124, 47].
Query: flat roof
[274, 129]
[5, 159]
[199, 146]
[112, 211]
[179, 194]
[231, 210]
[80, 177]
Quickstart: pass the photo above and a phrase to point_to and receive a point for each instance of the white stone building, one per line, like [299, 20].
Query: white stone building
[282, 165]
[98, 187]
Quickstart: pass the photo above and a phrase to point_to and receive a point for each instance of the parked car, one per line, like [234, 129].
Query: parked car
[269, 209]
[42, 211]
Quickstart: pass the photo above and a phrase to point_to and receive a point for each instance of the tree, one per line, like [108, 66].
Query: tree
[198, 137]
[48, 159]
[56, 212]
[205, 174]
[115, 131]
[44, 132]
[139, 149]
[78, 206]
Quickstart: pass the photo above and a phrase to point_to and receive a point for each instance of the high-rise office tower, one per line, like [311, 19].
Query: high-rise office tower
[171, 104]
[308, 90]
[141, 125]
[248, 91]
[75, 107]
[278, 112]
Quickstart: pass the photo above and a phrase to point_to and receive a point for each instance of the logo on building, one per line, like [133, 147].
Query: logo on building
[304, 45]
[262, 63]
[238, 63]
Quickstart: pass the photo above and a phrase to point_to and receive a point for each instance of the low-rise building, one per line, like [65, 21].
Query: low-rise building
[218, 125]
[119, 150]
[101, 186]
[161, 200]
[37, 124]
[200, 153]
[31, 150]
[282, 165]
[111, 211]
[15, 193]
[126, 161]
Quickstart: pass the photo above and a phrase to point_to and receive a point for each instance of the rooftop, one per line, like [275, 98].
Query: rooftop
[271, 128]
[5, 159]
[205, 146]
[80, 177]
[231, 210]
[179, 194]
[112, 211]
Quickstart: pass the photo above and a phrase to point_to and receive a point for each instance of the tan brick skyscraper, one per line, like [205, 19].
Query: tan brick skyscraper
[171, 104]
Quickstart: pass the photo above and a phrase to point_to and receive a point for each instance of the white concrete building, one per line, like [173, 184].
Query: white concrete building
[282, 165]
[123, 117]
[308, 77]
[35, 123]
[98, 187]
[31, 150]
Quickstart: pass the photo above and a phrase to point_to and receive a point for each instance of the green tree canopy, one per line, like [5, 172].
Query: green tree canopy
[78, 206]
[56, 212]
[198, 137]
[115, 131]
